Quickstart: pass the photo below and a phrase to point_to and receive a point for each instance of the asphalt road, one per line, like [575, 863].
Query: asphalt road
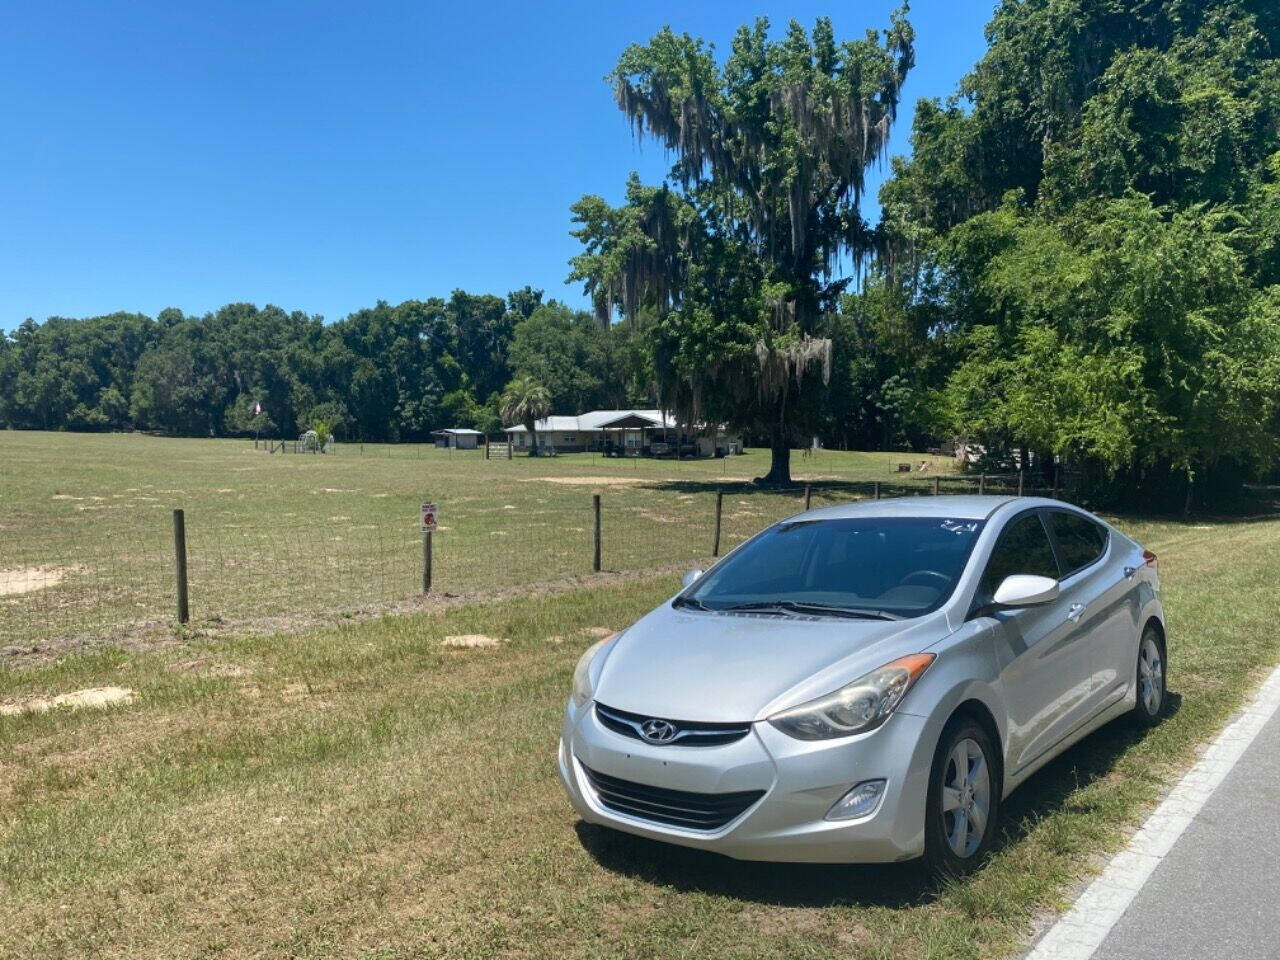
[1217, 893]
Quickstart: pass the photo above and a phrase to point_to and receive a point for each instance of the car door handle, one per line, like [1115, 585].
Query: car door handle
[1075, 612]
[1129, 572]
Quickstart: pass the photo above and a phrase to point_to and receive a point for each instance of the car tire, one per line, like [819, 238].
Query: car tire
[1149, 678]
[953, 843]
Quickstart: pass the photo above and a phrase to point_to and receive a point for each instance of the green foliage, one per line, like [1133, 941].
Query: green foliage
[1085, 249]
[323, 433]
[731, 261]
[383, 373]
[569, 354]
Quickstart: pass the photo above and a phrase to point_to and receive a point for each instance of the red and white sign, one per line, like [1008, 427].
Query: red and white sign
[428, 518]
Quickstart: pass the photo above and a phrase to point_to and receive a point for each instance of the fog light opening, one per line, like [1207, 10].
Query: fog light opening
[861, 801]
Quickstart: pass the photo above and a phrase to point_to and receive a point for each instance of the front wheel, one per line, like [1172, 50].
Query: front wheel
[963, 805]
[1150, 678]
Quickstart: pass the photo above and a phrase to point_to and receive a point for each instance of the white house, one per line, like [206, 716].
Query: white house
[625, 432]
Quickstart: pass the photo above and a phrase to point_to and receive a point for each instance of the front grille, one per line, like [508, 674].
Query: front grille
[689, 733]
[678, 808]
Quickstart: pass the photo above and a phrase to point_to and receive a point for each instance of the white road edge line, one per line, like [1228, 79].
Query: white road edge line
[1078, 934]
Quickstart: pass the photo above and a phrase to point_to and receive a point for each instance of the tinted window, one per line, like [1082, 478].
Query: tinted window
[905, 566]
[1080, 540]
[1023, 547]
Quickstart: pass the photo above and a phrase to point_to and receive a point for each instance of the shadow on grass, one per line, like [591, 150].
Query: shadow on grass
[827, 491]
[894, 885]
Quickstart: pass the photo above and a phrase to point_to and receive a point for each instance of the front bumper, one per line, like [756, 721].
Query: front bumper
[800, 779]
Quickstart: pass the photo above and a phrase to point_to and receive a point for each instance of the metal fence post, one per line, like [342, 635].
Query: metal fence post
[715, 537]
[180, 563]
[937, 486]
[808, 495]
[595, 505]
[1019, 482]
[875, 490]
[982, 484]
[426, 561]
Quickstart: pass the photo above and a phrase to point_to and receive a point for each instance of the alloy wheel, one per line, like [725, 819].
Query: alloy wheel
[1150, 675]
[966, 797]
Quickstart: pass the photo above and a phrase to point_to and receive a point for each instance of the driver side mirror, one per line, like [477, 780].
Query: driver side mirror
[691, 576]
[1025, 590]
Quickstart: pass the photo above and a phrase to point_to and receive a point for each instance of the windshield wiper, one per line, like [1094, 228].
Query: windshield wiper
[690, 602]
[814, 607]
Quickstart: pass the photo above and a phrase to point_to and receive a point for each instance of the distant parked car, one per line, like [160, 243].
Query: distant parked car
[867, 682]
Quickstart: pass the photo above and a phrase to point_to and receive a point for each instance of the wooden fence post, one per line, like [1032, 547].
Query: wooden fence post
[875, 490]
[1019, 481]
[715, 537]
[1055, 481]
[426, 561]
[808, 495]
[595, 505]
[982, 484]
[180, 563]
[937, 486]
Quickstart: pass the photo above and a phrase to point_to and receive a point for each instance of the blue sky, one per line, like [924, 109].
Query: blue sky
[322, 157]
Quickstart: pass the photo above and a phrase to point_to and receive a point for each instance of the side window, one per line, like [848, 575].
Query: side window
[1023, 547]
[1080, 540]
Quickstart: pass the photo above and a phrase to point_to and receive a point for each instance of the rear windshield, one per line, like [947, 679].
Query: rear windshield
[896, 566]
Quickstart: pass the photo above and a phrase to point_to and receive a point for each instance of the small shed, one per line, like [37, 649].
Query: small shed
[457, 438]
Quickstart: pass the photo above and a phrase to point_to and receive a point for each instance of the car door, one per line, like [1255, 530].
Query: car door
[1099, 602]
[1046, 678]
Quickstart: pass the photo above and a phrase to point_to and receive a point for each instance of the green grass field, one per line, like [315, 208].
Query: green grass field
[362, 790]
[86, 523]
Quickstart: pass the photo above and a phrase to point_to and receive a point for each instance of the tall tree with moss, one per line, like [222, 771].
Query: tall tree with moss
[736, 256]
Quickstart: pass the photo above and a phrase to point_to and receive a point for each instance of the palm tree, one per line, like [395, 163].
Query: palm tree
[526, 401]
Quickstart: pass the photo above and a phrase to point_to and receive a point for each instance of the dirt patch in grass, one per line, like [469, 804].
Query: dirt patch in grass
[591, 481]
[28, 579]
[471, 641]
[76, 700]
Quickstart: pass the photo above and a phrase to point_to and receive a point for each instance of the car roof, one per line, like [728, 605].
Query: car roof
[966, 507]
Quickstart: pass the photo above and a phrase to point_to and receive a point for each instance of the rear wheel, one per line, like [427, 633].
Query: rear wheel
[1150, 677]
[964, 798]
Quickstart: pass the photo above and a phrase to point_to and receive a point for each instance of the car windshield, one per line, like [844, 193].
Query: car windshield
[881, 567]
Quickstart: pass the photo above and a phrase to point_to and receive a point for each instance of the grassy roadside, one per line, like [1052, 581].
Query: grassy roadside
[364, 791]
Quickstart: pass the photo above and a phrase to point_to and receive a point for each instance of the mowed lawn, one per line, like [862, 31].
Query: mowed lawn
[86, 540]
[364, 791]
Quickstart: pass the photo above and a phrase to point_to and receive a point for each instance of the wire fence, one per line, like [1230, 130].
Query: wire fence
[54, 587]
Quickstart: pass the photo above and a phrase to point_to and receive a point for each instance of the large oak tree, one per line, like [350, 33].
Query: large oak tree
[736, 260]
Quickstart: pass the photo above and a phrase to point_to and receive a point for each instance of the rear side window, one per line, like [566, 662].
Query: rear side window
[1080, 540]
[1023, 547]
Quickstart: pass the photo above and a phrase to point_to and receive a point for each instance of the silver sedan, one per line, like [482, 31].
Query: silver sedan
[867, 682]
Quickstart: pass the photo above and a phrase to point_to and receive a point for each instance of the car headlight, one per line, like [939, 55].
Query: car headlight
[856, 707]
[581, 691]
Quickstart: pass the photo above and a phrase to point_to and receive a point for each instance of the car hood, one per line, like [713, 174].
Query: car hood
[727, 668]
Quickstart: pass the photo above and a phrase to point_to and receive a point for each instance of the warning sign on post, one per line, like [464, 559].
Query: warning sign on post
[429, 518]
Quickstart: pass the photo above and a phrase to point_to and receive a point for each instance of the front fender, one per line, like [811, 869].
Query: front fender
[966, 671]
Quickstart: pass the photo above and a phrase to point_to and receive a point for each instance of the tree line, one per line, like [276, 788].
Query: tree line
[1079, 262]
[386, 373]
